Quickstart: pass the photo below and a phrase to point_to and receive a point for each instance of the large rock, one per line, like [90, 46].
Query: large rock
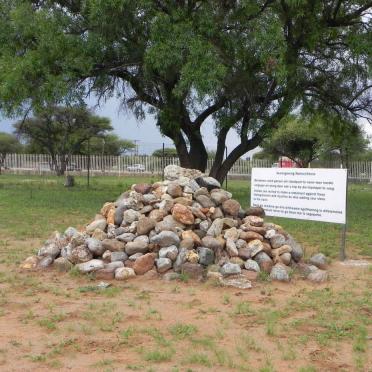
[174, 172]
[118, 256]
[182, 214]
[138, 245]
[169, 252]
[112, 245]
[95, 246]
[62, 264]
[208, 182]
[163, 264]
[319, 260]
[145, 225]
[255, 246]
[230, 269]
[192, 270]
[126, 237]
[205, 201]
[212, 243]
[51, 249]
[297, 251]
[97, 224]
[165, 239]
[174, 190]
[130, 215]
[251, 265]
[264, 261]
[216, 228]
[180, 260]
[206, 256]
[142, 188]
[90, 266]
[318, 276]
[219, 196]
[79, 254]
[231, 248]
[231, 207]
[277, 241]
[144, 263]
[250, 235]
[255, 211]
[123, 273]
[279, 272]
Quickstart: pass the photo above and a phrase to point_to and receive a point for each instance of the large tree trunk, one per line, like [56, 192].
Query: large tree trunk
[198, 153]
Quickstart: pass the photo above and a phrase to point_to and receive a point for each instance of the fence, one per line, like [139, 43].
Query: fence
[144, 164]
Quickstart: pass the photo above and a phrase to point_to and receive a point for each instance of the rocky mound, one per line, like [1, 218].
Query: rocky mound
[184, 225]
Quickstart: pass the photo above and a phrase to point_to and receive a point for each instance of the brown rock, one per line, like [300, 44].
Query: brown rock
[113, 245]
[99, 234]
[250, 235]
[106, 208]
[144, 263]
[198, 213]
[105, 274]
[183, 200]
[189, 234]
[212, 243]
[255, 211]
[183, 214]
[111, 216]
[157, 214]
[217, 213]
[129, 263]
[145, 225]
[192, 270]
[244, 253]
[174, 190]
[187, 243]
[143, 188]
[267, 248]
[231, 207]
[248, 227]
[254, 221]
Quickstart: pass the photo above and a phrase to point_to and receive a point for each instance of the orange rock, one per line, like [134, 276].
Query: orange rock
[189, 234]
[144, 263]
[182, 214]
[250, 235]
[106, 208]
[110, 218]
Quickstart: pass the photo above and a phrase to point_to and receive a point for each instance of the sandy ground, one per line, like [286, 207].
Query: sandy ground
[50, 320]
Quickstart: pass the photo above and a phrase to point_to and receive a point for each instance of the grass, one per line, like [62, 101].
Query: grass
[50, 206]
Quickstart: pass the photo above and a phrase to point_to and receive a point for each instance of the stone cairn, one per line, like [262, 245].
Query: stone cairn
[186, 225]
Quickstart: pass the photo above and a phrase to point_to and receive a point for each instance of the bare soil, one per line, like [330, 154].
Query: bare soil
[51, 320]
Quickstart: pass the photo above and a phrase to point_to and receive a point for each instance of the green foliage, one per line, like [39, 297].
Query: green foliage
[61, 132]
[108, 144]
[169, 152]
[245, 64]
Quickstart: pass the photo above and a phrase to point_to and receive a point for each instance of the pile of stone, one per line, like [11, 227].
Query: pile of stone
[186, 225]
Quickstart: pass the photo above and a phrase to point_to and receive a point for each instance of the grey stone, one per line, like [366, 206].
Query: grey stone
[252, 265]
[51, 249]
[130, 215]
[318, 276]
[133, 257]
[145, 225]
[277, 241]
[180, 260]
[264, 261]
[231, 248]
[212, 243]
[204, 225]
[96, 224]
[279, 272]
[90, 266]
[216, 227]
[45, 262]
[126, 237]
[62, 264]
[166, 239]
[113, 265]
[240, 282]
[208, 182]
[70, 232]
[174, 190]
[118, 231]
[205, 201]
[118, 256]
[270, 233]
[138, 245]
[169, 252]
[163, 264]
[112, 245]
[319, 260]
[230, 269]
[206, 256]
[95, 246]
[219, 196]
[170, 276]
[79, 254]
[297, 251]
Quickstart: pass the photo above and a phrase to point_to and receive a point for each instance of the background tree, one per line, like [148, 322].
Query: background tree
[296, 139]
[9, 144]
[169, 152]
[108, 144]
[61, 132]
[245, 64]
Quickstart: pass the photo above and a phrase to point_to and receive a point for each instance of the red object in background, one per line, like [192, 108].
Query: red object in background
[285, 162]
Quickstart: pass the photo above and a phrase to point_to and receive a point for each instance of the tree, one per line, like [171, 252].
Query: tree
[169, 152]
[296, 139]
[61, 132]
[109, 144]
[245, 64]
[9, 144]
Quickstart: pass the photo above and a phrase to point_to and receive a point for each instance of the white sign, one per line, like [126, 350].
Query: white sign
[301, 193]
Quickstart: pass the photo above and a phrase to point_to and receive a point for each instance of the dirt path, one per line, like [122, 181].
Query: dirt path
[50, 321]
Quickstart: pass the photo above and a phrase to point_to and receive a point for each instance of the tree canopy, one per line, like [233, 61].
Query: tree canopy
[169, 152]
[245, 64]
[108, 144]
[61, 132]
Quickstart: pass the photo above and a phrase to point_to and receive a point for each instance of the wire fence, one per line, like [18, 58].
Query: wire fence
[151, 165]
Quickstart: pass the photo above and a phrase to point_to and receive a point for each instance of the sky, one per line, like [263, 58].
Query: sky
[146, 134]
